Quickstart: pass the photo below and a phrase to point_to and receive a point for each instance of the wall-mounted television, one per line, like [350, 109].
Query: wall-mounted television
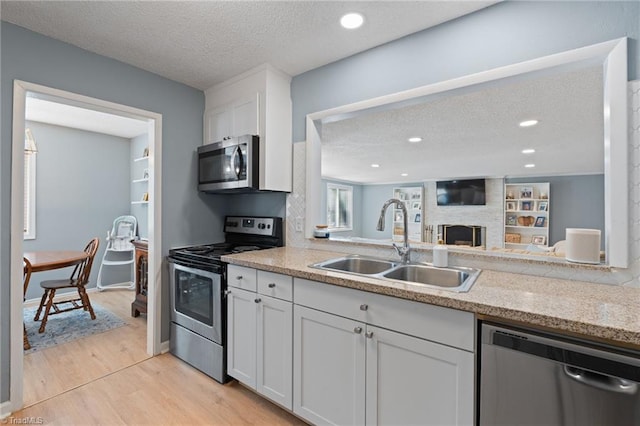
[467, 192]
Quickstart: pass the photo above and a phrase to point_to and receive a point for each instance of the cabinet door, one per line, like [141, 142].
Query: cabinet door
[415, 381]
[241, 336]
[275, 347]
[246, 116]
[328, 368]
[217, 124]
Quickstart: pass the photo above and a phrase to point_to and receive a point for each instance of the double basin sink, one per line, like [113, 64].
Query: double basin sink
[458, 279]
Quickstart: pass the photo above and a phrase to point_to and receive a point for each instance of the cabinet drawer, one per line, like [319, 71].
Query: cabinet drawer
[443, 325]
[242, 277]
[275, 285]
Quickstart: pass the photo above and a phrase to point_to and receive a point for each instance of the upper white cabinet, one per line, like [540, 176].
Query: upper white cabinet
[257, 102]
[235, 119]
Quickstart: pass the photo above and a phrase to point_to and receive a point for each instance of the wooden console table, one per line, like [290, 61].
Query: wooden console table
[139, 305]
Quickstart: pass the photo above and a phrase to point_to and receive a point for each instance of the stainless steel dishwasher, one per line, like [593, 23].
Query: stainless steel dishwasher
[531, 378]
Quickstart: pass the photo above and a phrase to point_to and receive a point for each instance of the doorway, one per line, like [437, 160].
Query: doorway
[154, 127]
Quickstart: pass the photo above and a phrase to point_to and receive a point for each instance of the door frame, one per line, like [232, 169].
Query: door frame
[154, 120]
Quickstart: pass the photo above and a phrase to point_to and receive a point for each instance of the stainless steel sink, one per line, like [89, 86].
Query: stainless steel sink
[357, 265]
[458, 279]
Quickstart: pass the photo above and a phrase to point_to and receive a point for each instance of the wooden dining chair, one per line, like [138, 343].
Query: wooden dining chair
[26, 276]
[78, 280]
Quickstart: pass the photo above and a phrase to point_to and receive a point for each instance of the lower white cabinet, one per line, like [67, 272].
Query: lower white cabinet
[340, 356]
[348, 372]
[412, 381]
[259, 343]
[328, 368]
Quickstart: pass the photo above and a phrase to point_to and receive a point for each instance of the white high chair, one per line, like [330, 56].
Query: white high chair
[119, 251]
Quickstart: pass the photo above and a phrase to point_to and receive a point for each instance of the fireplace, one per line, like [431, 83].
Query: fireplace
[462, 235]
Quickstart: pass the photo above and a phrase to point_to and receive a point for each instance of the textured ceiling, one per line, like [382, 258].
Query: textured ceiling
[201, 43]
[476, 134]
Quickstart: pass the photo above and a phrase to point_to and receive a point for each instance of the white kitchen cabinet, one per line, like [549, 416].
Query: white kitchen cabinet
[237, 118]
[329, 368]
[260, 332]
[241, 335]
[348, 371]
[256, 102]
[412, 381]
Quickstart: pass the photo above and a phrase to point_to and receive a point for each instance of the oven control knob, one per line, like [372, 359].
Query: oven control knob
[258, 300]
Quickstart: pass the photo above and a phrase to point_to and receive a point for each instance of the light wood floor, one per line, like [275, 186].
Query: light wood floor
[60, 368]
[107, 379]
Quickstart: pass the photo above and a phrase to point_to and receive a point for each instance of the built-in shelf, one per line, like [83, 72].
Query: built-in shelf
[140, 180]
[141, 159]
[526, 205]
[139, 202]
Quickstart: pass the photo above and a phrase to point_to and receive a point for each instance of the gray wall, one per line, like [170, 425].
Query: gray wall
[373, 197]
[574, 202]
[499, 35]
[82, 184]
[38, 59]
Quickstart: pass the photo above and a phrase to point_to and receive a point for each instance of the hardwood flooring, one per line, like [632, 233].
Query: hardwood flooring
[60, 368]
[107, 379]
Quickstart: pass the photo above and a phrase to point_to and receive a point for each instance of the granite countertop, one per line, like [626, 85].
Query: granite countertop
[597, 311]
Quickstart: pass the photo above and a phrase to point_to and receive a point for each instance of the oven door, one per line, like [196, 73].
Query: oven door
[196, 300]
[229, 164]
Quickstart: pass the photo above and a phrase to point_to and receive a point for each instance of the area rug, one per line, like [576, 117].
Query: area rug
[68, 326]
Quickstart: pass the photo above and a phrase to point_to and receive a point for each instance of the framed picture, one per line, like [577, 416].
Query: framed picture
[418, 216]
[398, 217]
[145, 196]
[540, 221]
[542, 206]
[145, 174]
[145, 153]
[526, 192]
[415, 196]
[511, 220]
[539, 240]
[511, 205]
[526, 205]
[416, 205]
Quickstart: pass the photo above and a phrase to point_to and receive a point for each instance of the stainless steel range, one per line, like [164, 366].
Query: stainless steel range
[197, 281]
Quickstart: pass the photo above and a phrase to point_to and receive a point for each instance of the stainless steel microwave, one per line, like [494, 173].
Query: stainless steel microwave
[231, 164]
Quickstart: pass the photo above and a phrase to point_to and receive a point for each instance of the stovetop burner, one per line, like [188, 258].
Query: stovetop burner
[242, 234]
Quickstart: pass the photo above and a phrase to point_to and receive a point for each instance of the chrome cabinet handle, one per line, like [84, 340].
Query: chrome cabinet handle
[272, 285]
[369, 334]
[258, 300]
[357, 330]
[364, 307]
[239, 277]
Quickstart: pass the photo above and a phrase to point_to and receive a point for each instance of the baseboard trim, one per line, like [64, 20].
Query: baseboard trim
[5, 409]
[164, 347]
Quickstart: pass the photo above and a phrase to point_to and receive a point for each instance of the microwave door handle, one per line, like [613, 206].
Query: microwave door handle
[240, 159]
[232, 160]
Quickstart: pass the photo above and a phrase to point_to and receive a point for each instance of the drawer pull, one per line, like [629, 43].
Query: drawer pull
[227, 292]
[369, 334]
[239, 277]
[364, 307]
[357, 330]
[272, 285]
[258, 300]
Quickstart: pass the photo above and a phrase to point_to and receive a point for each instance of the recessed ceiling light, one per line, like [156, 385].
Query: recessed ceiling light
[528, 123]
[529, 166]
[404, 174]
[374, 165]
[352, 21]
[528, 151]
[415, 139]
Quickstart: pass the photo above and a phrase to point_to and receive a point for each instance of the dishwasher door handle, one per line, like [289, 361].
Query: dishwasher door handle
[601, 381]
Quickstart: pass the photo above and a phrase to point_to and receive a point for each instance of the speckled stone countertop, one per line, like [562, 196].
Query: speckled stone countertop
[597, 311]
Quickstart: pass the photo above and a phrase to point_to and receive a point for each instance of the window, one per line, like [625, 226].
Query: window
[339, 207]
[29, 188]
